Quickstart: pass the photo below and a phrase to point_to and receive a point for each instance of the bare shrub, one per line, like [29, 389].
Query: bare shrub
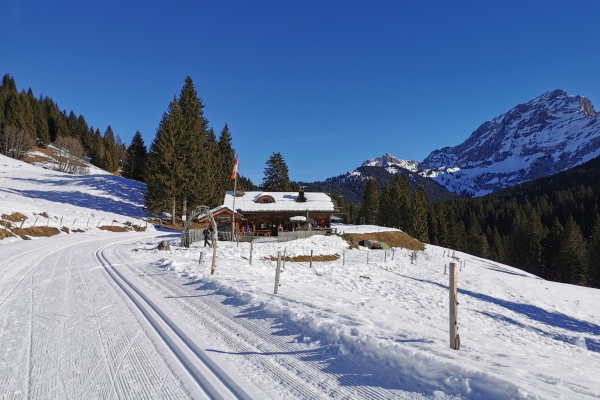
[68, 156]
[15, 143]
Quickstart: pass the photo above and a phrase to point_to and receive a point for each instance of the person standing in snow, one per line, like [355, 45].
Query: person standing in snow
[207, 233]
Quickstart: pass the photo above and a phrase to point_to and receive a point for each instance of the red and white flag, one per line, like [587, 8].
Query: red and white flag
[235, 167]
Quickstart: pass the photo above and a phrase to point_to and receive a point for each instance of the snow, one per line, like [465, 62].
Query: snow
[72, 327]
[284, 201]
[83, 202]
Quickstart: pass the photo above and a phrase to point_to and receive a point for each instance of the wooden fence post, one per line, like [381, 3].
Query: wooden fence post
[454, 337]
[284, 253]
[201, 259]
[385, 256]
[311, 254]
[36, 218]
[251, 245]
[277, 272]
[393, 253]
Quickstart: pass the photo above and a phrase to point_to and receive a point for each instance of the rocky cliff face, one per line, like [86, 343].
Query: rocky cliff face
[549, 134]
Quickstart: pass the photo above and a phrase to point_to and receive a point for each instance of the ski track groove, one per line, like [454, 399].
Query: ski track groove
[260, 340]
[67, 332]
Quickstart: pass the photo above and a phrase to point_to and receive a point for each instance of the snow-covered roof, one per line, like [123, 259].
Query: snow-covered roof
[284, 201]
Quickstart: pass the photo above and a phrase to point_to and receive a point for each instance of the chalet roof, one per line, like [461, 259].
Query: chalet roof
[284, 201]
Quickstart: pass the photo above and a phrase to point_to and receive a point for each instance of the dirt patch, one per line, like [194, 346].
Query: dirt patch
[44, 214]
[331, 257]
[14, 217]
[77, 230]
[115, 228]
[392, 238]
[138, 228]
[65, 229]
[5, 234]
[36, 231]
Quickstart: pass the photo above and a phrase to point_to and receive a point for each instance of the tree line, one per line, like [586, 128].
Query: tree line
[549, 227]
[27, 120]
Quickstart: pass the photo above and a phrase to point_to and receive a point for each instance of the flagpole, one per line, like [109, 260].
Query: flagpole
[233, 210]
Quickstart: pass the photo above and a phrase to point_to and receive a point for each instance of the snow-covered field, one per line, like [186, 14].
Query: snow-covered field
[80, 314]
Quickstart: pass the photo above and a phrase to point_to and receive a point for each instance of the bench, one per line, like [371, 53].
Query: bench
[264, 232]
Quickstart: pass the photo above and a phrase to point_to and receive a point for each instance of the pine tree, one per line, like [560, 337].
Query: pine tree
[110, 159]
[369, 209]
[386, 206]
[197, 184]
[27, 123]
[594, 254]
[135, 159]
[40, 120]
[164, 166]
[573, 254]
[226, 160]
[276, 177]
[420, 227]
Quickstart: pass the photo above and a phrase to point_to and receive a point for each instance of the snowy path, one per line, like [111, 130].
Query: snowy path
[79, 318]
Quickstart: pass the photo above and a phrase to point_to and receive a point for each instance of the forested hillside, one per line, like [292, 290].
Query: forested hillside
[352, 185]
[27, 120]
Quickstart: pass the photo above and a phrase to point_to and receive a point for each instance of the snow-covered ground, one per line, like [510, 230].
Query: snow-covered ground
[78, 202]
[101, 314]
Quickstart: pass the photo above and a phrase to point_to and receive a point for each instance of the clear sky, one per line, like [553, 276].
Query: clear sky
[328, 84]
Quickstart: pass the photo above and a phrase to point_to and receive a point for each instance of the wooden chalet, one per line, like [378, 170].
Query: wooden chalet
[265, 212]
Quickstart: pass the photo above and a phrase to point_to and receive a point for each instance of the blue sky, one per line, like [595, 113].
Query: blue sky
[328, 84]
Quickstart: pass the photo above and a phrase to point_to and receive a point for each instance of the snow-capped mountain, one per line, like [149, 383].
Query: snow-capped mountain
[549, 134]
[391, 163]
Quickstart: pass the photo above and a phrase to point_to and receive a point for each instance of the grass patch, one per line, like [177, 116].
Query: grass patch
[36, 231]
[392, 238]
[330, 257]
[14, 217]
[5, 234]
[115, 228]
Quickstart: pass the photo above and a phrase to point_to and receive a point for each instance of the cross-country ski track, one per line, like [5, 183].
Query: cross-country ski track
[80, 319]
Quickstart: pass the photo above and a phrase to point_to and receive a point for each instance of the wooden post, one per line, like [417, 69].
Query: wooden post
[444, 269]
[36, 218]
[393, 253]
[238, 240]
[48, 221]
[277, 272]
[88, 223]
[251, 244]
[201, 259]
[454, 337]
[61, 220]
[444, 253]
[98, 223]
[311, 254]
[385, 256]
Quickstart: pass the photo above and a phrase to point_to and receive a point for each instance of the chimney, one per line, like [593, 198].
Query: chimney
[238, 191]
[301, 198]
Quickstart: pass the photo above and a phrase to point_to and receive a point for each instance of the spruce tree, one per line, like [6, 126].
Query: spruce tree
[369, 209]
[573, 254]
[276, 177]
[594, 254]
[135, 159]
[197, 184]
[164, 166]
[386, 206]
[110, 159]
[226, 159]
[419, 226]
[40, 120]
